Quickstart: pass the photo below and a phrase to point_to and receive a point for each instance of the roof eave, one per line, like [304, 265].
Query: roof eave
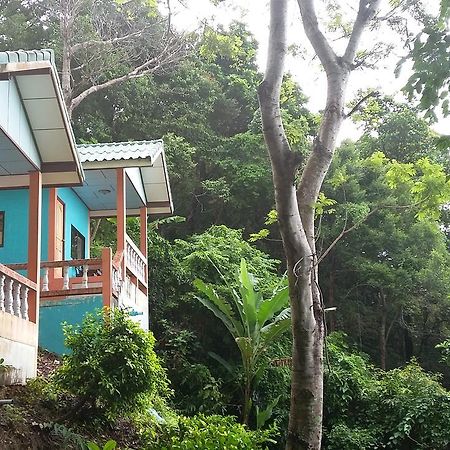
[46, 67]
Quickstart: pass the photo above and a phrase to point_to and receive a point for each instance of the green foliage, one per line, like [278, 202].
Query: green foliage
[67, 437]
[225, 247]
[112, 364]
[187, 337]
[110, 445]
[444, 347]
[367, 408]
[255, 323]
[342, 437]
[215, 433]
[430, 57]
[396, 246]
[271, 218]
[323, 204]
[414, 408]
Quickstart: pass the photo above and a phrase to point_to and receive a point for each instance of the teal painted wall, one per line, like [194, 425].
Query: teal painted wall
[76, 214]
[53, 313]
[15, 204]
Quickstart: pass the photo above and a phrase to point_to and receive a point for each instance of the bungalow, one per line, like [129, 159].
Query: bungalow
[50, 189]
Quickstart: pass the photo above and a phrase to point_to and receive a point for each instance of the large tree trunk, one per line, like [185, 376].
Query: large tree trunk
[382, 329]
[331, 296]
[66, 30]
[295, 206]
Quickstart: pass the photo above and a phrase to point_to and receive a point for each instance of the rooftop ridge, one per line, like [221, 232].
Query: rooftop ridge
[116, 151]
[117, 144]
[24, 56]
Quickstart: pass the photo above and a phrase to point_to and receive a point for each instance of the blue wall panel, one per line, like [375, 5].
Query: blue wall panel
[15, 204]
[53, 313]
[77, 214]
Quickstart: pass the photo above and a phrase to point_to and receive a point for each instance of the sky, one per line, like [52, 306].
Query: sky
[305, 68]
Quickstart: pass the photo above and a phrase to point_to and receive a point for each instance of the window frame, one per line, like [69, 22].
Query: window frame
[75, 232]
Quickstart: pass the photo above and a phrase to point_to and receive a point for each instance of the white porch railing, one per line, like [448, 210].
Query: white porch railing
[14, 292]
[136, 261]
[107, 275]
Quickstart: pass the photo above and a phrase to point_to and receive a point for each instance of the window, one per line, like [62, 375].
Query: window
[2, 227]
[77, 244]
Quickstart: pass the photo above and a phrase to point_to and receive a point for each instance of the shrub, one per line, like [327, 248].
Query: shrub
[366, 408]
[413, 408]
[341, 437]
[214, 433]
[112, 365]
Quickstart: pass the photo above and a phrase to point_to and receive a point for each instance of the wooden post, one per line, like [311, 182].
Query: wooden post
[143, 235]
[51, 250]
[107, 276]
[121, 210]
[34, 243]
[143, 238]
[122, 217]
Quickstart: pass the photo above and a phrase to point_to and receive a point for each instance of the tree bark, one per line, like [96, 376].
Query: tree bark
[66, 29]
[382, 329]
[331, 296]
[295, 206]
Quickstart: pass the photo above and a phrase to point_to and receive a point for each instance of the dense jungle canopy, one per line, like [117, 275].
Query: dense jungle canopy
[382, 219]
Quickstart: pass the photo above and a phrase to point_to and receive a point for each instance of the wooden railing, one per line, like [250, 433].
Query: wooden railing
[14, 292]
[81, 275]
[106, 275]
[135, 261]
[87, 268]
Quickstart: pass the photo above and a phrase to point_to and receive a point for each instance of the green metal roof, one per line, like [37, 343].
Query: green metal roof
[146, 157]
[19, 56]
[121, 151]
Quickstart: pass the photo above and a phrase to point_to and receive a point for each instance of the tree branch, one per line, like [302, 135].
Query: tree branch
[344, 231]
[360, 102]
[92, 43]
[269, 90]
[359, 222]
[284, 162]
[318, 40]
[170, 54]
[366, 12]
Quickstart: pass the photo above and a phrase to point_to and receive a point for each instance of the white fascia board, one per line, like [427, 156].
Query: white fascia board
[135, 177]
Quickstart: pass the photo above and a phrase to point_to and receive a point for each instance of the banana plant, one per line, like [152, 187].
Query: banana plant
[254, 322]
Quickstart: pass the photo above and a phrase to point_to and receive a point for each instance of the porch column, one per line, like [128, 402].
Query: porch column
[143, 230]
[34, 242]
[121, 210]
[143, 236]
[122, 219]
[51, 250]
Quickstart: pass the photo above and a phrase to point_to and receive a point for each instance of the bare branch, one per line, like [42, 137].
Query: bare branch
[360, 102]
[171, 54]
[359, 222]
[366, 12]
[343, 233]
[98, 42]
[318, 40]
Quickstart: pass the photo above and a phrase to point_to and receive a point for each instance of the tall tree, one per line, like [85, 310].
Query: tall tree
[296, 201]
[103, 43]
